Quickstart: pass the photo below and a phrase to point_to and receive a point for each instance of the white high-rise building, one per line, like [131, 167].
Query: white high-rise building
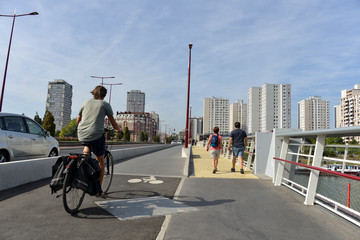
[59, 101]
[238, 113]
[254, 109]
[337, 116]
[216, 113]
[196, 127]
[313, 114]
[269, 107]
[135, 101]
[350, 107]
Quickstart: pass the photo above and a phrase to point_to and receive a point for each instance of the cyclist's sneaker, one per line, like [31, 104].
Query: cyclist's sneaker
[242, 171]
[102, 195]
[233, 169]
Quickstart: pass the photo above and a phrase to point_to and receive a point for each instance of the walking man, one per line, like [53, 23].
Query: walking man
[238, 138]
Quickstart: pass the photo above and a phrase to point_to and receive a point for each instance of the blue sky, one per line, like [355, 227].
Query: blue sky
[311, 44]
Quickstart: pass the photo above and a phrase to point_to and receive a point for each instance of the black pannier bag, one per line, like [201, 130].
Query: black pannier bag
[88, 176]
[57, 177]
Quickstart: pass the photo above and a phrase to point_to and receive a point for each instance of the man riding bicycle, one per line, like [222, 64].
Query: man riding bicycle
[91, 127]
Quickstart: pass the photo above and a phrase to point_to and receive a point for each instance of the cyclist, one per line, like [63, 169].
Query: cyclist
[91, 127]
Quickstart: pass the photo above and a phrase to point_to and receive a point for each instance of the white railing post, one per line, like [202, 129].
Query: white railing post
[283, 153]
[345, 157]
[251, 153]
[314, 174]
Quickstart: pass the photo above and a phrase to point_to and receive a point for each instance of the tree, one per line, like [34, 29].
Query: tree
[38, 119]
[142, 136]
[156, 139]
[119, 135]
[69, 130]
[48, 123]
[146, 137]
[126, 134]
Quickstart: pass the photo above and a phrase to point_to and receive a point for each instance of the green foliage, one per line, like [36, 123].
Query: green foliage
[142, 136]
[169, 139]
[353, 142]
[126, 134]
[69, 130]
[37, 119]
[119, 136]
[334, 140]
[156, 139]
[48, 123]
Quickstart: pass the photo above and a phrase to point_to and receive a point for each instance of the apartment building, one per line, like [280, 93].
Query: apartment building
[196, 127]
[269, 107]
[350, 107]
[216, 113]
[238, 113]
[59, 101]
[313, 114]
[135, 101]
[337, 116]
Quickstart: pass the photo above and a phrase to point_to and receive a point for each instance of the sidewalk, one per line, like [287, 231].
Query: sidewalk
[203, 166]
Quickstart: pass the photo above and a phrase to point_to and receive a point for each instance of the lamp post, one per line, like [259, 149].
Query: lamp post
[111, 84]
[107, 122]
[8, 53]
[188, 100]
[102, 79]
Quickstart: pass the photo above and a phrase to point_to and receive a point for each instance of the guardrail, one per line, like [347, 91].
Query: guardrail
[328, 190]
[16, 173]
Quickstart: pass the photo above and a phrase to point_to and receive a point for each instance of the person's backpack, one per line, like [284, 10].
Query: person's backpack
[214, 140]
[57, 176]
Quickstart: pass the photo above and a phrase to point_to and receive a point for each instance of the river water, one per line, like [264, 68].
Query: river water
[334, 187]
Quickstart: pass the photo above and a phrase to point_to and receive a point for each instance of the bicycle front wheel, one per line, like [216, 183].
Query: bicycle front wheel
[108, 173]
[72, 197]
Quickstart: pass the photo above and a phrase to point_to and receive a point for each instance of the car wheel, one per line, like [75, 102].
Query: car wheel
[3, 157]
[53, 153]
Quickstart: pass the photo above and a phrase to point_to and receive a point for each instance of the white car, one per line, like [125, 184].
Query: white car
[23, 138]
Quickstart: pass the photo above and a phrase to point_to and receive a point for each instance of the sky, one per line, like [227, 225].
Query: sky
[314, 45]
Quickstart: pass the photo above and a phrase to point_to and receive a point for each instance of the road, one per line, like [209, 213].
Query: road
[141, 206]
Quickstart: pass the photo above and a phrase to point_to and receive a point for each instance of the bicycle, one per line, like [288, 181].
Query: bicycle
[73, 196]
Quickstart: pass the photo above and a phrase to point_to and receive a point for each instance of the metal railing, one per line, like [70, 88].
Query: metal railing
[329, 185]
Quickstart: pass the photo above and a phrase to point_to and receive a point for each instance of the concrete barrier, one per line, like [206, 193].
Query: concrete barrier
[16, 173]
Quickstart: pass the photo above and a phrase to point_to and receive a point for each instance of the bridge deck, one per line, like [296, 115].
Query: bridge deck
[226, 208]
[203, 166]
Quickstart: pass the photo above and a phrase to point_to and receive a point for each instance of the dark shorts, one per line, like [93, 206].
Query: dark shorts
[238, 152]
[97, 146]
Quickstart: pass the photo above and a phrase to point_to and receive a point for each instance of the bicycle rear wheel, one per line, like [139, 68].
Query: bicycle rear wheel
[109, 172]
[72, 197]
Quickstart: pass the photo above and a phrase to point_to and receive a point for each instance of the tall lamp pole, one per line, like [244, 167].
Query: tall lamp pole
[8, 53]
[111, 84]
[107, 122]
[102, 79]
[188, 100]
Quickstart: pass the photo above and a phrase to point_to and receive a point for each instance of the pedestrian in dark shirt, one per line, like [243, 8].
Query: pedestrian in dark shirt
[238, 138]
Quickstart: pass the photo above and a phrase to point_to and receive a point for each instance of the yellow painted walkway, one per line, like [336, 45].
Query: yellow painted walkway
[203, 166]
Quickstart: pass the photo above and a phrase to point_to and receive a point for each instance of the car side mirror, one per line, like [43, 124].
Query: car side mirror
[47, 134]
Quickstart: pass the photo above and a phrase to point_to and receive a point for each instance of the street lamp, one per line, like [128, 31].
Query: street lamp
[188, 100]
[8, 53]
[102, 79]
[111, 84]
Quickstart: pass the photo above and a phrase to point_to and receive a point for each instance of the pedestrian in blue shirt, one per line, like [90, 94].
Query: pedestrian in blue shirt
[238, 138]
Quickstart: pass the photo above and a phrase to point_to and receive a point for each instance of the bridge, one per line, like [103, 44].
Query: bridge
[171, 193]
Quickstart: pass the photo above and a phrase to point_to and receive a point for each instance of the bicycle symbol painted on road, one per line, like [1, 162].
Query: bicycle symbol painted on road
[151, 180]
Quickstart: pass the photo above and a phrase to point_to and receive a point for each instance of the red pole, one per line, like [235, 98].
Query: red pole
[348, 196]
[188, 100]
